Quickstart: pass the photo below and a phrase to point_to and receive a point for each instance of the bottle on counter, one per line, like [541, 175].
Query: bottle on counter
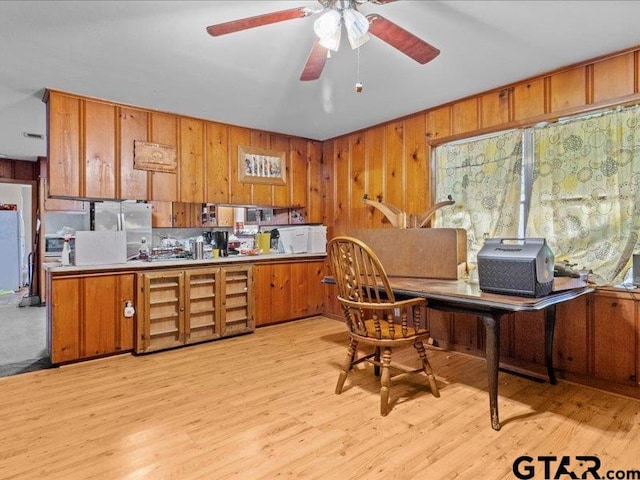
[143, 252]
[66, 253]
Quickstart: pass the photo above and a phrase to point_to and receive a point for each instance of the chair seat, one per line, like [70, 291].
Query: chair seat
[385, 331]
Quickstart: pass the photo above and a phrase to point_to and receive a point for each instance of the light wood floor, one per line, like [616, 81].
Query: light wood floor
[262, 406]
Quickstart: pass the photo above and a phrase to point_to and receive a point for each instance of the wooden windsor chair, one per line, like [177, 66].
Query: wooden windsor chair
[374, 317]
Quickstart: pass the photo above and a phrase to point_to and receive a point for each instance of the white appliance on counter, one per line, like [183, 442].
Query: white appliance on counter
[132, 217]
[100, 247]
[11, 249]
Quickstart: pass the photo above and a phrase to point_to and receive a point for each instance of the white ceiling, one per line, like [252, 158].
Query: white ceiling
[157, 54]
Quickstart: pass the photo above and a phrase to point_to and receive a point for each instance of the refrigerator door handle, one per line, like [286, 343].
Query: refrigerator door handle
[121, 221]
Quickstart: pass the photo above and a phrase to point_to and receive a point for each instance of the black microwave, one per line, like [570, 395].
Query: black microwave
[53, 245]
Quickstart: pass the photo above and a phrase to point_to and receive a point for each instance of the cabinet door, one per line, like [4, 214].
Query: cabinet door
[164, 130]
[262, 277]
[306, 293]
[201, 304]
[217, 185]
[99, 150]
[288, 291]
[64, 174]
[105, 328]
[191, 164]
[614, 345]
[87, 316]
[236, 302]
[161, 214]
[160, 310]
[224, 216]
[133, 127]
[65, 313]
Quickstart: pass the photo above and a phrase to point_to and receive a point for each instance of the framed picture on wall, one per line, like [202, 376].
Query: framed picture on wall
[261, 165]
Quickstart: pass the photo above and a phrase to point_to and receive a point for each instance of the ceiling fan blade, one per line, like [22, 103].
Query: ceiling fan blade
[258, 21]
[381, 2]
[401, 39]
[315, 62]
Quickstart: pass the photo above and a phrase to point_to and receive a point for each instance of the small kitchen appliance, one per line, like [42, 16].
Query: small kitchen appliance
[522, 267]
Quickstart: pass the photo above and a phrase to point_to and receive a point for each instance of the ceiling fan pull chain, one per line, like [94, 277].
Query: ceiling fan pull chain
[358, 82]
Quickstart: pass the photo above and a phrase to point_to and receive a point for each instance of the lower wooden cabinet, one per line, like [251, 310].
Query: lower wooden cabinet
[87, 315]
[286, 291]
[179, 307]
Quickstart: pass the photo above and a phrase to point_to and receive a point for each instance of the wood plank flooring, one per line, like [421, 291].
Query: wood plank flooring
[261, 406]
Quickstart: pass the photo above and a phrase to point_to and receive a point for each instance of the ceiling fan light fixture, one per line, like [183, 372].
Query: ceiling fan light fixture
[328, 28]
[356, 23]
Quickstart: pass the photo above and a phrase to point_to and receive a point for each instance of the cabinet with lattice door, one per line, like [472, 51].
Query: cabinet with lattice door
[180, 307]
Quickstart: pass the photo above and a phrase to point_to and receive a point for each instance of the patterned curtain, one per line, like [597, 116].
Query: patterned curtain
[484, 178]
[585, 197]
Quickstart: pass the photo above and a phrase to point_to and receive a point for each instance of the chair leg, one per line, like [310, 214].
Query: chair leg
[376, 358]
[426, 366]
[385, 381]
[346, 366]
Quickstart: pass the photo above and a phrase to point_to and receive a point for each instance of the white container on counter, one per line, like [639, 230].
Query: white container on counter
[293, 239]
[317, 239]
[100, 247]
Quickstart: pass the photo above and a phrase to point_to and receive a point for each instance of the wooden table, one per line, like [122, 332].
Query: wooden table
[464, 297]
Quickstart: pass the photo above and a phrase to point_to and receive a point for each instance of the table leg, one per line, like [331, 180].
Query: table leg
[492, 352]
[549, 328]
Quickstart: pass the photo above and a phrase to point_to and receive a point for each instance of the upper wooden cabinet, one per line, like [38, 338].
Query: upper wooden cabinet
[91, 155]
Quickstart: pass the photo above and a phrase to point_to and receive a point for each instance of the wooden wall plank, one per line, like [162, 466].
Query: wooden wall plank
[133, 126]
[568, 89]
[417, 165]
[164, 130]
[358, 177]
[528, 99]
[613, 77]
[376, 173]
[191, 164]
[100, 163]
[217, 163]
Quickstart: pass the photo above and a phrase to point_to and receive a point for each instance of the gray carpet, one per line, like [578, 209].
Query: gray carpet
[24, 367]
[23, 336]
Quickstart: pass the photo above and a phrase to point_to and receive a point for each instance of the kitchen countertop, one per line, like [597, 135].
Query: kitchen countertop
[57, 268]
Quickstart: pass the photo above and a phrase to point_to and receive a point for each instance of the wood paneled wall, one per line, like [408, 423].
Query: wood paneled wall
[390, 162]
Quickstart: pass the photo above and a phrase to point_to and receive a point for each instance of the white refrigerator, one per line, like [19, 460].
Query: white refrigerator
[11, 249]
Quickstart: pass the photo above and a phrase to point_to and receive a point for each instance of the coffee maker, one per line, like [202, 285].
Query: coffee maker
[220, 241]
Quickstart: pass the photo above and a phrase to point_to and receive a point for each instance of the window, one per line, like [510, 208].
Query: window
[578, 187]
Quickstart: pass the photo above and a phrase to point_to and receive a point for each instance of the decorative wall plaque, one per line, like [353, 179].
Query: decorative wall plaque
[154, 157]
[259, 165]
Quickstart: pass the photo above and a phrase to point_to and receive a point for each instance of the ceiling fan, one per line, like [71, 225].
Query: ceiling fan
[328, 28]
